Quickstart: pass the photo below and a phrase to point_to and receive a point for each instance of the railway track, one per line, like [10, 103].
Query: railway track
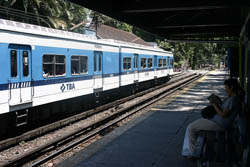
[59, 124]
[82, 134]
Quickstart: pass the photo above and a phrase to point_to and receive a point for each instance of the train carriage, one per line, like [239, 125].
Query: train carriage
[47, 73]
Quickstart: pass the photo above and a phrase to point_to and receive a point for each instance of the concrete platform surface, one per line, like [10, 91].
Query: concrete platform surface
[155, 138]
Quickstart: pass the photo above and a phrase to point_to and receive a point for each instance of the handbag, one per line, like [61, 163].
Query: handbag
[208, 112]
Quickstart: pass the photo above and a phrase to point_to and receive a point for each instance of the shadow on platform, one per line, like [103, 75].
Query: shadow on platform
[155, 138]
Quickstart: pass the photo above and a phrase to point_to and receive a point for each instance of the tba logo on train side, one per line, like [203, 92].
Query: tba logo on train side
[68, 86]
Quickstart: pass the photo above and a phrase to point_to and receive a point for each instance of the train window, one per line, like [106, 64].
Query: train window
[53, 65]
[25, 64]
[164, 62]
[48, 65]
[150, 62]
[13, 63]
[79, 65]
[143, 62]
[75, 65]
[60, 65]
[171, 62]
[126, 63]
[84, 64]
[160, 63]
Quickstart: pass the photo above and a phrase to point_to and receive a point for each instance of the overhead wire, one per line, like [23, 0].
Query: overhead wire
[31, 17]
[20, 12]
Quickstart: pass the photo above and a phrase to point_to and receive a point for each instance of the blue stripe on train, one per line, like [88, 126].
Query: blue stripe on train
[55, 80]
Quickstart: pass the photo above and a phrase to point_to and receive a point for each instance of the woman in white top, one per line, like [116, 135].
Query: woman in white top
[226, 114]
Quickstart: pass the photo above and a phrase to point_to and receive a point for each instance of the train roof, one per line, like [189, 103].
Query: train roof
[50, 32]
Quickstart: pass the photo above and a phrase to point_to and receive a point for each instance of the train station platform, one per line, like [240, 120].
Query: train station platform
[155, 138]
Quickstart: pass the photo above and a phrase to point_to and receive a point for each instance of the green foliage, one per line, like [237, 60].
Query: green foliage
[58, 14]
[62, 14]
[146, 36]
[200, 54]
[185, 54]
[7, 3]
[102, 19]
[194, 54]
[164, 45]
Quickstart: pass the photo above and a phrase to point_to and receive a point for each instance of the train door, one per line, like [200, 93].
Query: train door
[20, 90]
[98, 71]
[136, 68]
[155, 66]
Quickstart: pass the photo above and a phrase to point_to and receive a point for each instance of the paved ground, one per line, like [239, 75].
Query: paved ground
[155, 138]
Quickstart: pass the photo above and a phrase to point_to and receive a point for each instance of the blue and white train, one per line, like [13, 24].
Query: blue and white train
[47, 73]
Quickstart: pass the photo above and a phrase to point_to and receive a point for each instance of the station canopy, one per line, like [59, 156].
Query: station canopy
[177, 19]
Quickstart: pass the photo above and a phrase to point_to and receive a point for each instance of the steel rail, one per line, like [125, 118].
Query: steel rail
[24, 158]
[62, 123]
[114, 122]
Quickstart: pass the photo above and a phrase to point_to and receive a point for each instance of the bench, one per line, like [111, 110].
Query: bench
[228, 147]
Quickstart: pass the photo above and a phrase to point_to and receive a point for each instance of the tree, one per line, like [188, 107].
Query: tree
[64, 15]
[99, 19]
[164, 45]
[58, 14]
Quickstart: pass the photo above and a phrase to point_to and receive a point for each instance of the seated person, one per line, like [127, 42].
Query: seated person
[45, 73]
[224, 117]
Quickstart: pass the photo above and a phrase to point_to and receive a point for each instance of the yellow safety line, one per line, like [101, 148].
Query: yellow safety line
[180, 93]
